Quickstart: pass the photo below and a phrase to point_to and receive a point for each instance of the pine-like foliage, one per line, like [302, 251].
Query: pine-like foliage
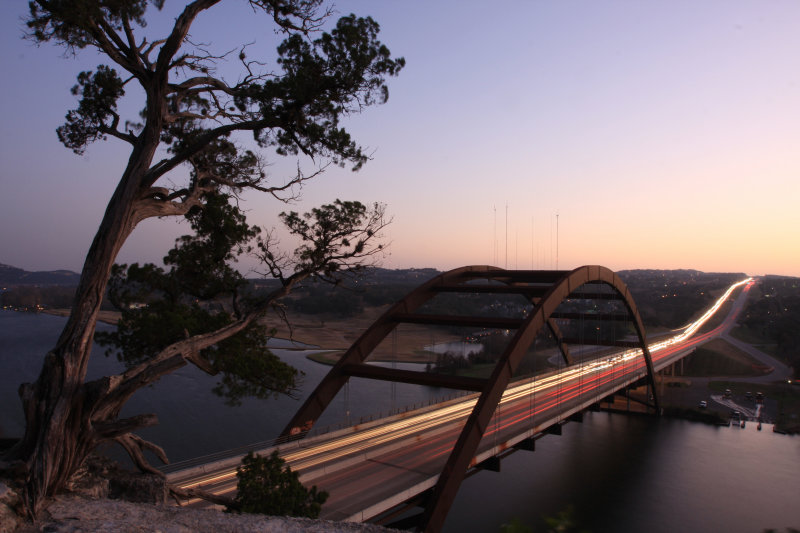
[268, 486]
[190, 156]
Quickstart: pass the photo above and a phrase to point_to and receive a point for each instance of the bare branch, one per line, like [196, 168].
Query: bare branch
[275, 190]
[133, 50]
[135, 446]
[110, 43]
[112, 430]
[149, 50]
[114, 132]
[173, 356]
[194, 492]
[269, 254]
[210, 83]
[151, 206]
[178, 34]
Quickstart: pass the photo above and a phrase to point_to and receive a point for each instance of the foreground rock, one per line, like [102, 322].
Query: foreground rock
[102, 498]
[76, 514]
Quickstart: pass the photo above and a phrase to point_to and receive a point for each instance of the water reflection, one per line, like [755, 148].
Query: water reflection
[631, 473]
[620, 473]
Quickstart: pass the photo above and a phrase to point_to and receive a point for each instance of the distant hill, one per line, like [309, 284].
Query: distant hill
[11, 276]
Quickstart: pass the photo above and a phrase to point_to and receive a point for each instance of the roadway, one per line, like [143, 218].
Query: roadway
[370, 468]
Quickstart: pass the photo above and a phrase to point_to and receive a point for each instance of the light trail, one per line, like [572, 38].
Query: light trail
[552, 389]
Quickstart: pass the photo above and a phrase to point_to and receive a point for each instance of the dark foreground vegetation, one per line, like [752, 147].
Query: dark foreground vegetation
[771, 319]
[267, 485]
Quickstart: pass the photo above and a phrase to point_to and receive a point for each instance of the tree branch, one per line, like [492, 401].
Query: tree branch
[156, 202]
[305, 13]
[211, 84]
[112, 430]
[201, 142]
[194, 492]
[114, 132]
[179, 31]
[107, 40]
[133, 50]
[145, 55]
[135, 446]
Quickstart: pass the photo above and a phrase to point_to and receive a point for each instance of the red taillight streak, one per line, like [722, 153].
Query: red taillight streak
[517, 412]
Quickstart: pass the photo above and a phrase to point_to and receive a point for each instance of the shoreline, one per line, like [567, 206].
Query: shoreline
[333, 336]
[106, 317]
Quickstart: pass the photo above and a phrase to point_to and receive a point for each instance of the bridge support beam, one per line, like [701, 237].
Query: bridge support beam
[336, 378]
[545, 289]
[460, 458]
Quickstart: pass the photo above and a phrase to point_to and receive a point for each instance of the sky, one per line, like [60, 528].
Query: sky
[537, 134]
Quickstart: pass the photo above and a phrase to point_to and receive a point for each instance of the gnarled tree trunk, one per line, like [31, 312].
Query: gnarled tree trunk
[60, 429]
[191, 117]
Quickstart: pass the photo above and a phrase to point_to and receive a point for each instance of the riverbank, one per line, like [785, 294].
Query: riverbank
[108, 317]
[334, 335]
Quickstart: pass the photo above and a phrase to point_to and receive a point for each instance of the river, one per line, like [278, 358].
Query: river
[618, 473]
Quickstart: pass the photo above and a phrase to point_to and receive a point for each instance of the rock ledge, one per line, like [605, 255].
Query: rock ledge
[75, 514]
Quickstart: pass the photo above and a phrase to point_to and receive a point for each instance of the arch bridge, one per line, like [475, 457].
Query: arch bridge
[550, 302]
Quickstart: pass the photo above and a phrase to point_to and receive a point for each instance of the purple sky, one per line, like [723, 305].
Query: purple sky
[663, 134]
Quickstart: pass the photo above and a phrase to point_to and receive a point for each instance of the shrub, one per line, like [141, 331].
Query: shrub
[268, 486]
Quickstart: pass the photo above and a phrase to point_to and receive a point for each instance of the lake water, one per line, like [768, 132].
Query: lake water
[619, 473]
[194, 422]
[639, 474]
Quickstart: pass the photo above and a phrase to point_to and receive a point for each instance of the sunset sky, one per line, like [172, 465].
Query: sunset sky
[663, 135]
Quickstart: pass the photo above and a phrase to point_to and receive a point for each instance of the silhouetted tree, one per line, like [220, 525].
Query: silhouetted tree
[189, 118]
[267, 485]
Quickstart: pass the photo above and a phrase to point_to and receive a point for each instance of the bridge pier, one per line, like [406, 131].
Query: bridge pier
[529, 445]
[492, 464]
[576, 417]
[555, 429]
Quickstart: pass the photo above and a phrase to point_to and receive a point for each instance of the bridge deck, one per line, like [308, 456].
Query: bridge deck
[373, 467]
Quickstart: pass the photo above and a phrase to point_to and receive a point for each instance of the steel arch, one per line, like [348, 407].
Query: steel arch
[545, 289]
[464, 450]
[332, 383]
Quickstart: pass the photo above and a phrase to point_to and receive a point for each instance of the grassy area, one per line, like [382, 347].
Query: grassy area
[738, 388]
[482, 370]
[720, 358]
[788, 407]
[751, 337]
